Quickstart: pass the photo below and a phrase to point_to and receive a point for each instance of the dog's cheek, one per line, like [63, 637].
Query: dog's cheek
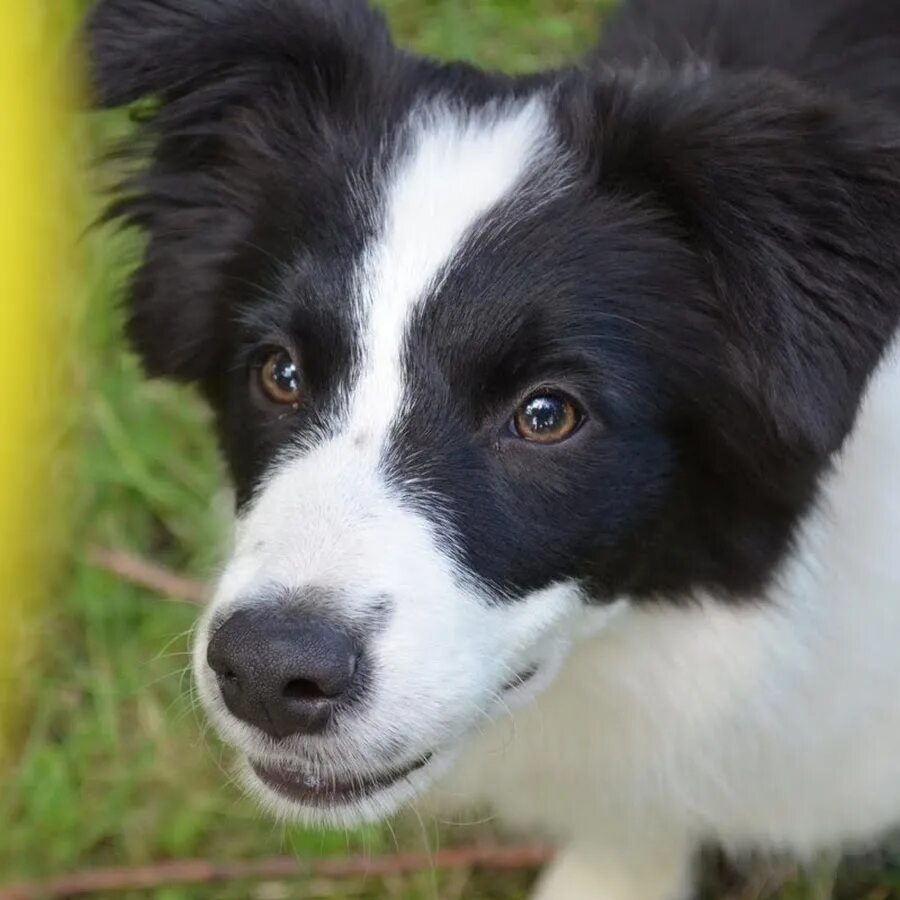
[443, 666]
[436, 667]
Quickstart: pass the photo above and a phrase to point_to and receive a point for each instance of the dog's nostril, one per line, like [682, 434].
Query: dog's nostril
[303, 689]
[283, 670]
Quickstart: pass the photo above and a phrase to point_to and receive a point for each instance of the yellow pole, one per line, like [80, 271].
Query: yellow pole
[36, 317]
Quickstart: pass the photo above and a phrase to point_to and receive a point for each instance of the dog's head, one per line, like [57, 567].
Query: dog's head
[486, 354]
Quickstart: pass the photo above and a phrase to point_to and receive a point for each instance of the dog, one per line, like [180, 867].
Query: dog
[562, 411]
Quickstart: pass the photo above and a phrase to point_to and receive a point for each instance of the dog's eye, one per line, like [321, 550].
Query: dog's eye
[279, 377]
[546, 419]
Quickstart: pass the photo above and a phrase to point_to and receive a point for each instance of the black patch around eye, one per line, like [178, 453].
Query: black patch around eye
[522, 519]
[649, 506]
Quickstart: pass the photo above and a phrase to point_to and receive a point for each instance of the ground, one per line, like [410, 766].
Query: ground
[117, 768]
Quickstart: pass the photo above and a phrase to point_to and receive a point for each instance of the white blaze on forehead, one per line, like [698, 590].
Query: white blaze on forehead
[457, 166]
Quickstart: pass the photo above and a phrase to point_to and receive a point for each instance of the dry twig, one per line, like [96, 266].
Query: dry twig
[139, 571]
[199, 871]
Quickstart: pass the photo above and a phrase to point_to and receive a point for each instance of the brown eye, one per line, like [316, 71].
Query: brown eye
[546, 419]
[279, 378]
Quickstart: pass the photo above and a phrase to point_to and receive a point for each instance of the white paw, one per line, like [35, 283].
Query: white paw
[579, 875]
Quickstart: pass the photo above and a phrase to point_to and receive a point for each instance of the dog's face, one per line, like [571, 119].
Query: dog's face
[487, 356]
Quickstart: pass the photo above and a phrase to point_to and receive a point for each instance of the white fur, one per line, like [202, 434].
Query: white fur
[774, 726]
[641, 871]
[647, 730]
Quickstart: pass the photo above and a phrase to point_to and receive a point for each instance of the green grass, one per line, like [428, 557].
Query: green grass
[117, 768]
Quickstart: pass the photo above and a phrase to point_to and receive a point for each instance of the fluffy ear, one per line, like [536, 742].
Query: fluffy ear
[229, 83]
[790, 201]
[141, 47]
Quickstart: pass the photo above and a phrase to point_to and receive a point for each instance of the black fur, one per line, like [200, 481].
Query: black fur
[716, 288]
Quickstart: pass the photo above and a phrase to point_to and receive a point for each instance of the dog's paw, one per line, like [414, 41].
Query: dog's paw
[581, 875]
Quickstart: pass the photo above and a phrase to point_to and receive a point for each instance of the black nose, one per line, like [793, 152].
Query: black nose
[282, 670]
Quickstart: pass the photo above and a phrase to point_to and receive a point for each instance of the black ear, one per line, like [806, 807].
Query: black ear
[790, 202]
[229, 83]
[141, 47]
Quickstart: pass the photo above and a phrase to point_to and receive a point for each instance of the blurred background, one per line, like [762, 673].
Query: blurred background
[104, 760]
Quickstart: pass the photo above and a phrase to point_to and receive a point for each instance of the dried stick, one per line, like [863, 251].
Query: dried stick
[199, 871]
[139, 571]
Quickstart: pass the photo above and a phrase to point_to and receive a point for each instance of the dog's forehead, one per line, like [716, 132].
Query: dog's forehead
[454, 169]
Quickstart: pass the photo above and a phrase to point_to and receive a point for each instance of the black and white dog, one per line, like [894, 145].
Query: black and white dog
[563, 413]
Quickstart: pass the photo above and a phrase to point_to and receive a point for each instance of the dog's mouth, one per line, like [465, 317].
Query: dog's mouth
[304, 786]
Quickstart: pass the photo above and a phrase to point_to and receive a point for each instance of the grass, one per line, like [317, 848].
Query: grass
[116, 768]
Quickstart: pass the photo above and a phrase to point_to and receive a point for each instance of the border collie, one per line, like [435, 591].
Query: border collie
[563, 413]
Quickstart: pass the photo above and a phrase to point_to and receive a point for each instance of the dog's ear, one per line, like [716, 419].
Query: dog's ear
[790, 201]
[219, 78]
[142, 47]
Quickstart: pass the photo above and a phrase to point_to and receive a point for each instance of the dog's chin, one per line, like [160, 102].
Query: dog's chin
[296, 792]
